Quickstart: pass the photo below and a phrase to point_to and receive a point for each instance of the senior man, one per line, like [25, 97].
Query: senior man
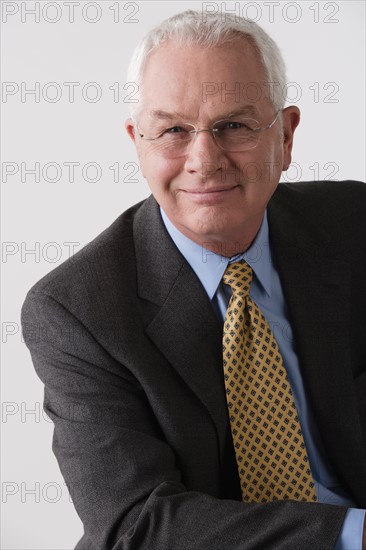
[204, 360]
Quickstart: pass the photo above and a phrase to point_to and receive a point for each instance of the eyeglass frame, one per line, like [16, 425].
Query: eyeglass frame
[211, 130]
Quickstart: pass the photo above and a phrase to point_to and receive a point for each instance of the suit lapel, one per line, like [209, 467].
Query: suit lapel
[316, 286]
[185, 327]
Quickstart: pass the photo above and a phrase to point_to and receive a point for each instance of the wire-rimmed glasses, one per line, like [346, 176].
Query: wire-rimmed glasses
[233, 135]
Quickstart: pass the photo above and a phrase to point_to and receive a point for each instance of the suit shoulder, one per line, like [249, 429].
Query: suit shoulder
[324, 187]
[342, 197]
[95, 260]
[333, 212]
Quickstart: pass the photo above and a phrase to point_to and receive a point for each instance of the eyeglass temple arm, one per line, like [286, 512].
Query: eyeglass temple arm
[269, 125]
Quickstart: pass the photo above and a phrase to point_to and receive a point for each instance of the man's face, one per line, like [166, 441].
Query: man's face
[210, 195]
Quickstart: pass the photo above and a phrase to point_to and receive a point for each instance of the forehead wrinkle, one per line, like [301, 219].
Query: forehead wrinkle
[159, 114]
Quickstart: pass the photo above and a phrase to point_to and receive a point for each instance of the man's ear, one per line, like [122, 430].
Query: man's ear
[131, 129]
[132, 132]
[290, 121]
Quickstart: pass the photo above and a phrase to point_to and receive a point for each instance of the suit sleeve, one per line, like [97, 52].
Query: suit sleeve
[121, 473]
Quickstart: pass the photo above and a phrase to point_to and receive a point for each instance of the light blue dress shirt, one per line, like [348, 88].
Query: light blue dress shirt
[266, 291]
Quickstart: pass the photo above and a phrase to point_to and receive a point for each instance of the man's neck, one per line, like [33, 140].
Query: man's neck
[225, 245]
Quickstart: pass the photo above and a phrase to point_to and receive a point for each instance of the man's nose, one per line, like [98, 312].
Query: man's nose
[203, 153]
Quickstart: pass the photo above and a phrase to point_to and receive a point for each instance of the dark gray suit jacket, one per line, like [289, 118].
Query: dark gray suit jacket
[128, 346]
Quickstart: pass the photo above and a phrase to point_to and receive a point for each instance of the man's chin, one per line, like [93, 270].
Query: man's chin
[211, 225]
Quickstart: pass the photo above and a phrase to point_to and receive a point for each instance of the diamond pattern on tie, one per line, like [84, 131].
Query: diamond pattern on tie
[269, 445]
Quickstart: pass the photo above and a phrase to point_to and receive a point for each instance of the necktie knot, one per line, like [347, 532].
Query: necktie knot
[238, 275]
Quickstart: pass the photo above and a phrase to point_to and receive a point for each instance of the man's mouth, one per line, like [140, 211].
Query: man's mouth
[210, 190]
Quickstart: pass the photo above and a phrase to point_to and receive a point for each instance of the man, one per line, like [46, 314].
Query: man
[223, 312]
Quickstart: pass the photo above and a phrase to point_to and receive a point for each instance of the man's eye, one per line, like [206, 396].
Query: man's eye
[233, 125]
[174, 130]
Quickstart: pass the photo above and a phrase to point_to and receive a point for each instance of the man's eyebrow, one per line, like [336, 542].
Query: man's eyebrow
[164, 115]
[244, 110]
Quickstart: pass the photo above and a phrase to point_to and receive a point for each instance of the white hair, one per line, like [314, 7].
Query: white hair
[207, 30]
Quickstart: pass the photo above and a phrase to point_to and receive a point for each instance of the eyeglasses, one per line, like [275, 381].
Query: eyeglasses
[232, 135]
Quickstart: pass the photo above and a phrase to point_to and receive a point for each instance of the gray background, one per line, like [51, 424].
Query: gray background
[43, 222]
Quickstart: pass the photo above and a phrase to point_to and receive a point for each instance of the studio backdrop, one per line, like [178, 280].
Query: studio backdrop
[69, 169]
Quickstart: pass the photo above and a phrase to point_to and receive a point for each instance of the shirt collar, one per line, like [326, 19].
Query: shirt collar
[210, 267]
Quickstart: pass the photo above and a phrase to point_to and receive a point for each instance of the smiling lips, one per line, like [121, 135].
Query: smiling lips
[209, 191]
[210, 196]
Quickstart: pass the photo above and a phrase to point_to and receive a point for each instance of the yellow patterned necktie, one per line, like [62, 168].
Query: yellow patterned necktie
[269, 445]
